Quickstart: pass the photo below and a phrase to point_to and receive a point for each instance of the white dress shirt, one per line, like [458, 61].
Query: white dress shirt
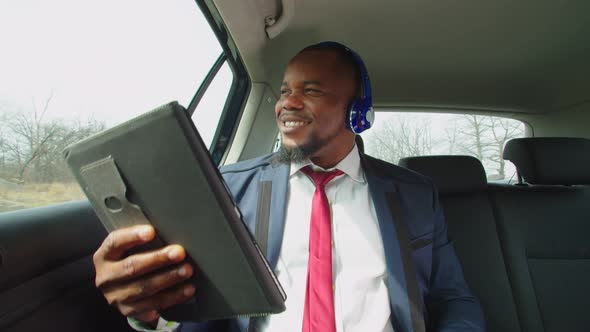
[361, 300]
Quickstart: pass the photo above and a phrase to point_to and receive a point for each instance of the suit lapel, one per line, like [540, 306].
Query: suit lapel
[278, 175]
[379, 187]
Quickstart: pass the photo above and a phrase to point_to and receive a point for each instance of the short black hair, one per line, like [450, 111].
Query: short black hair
[345, 56]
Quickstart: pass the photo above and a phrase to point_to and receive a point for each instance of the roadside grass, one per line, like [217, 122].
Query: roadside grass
[39, 194]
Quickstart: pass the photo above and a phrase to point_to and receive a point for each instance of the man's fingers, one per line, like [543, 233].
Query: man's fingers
[150, 317]
[128, 282]
[146, 287]
[159, 301]
[118, 242]
[138, 265]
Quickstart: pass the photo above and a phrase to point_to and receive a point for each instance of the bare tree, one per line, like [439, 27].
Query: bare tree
[3, 149]
[404, 136]
[451, 137]
[474, 132]
[30, 141]
[502, 130]
[51, 165]
[32, 135]
[484, 137]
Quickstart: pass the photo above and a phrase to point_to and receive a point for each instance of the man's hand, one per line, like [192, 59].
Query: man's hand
[140, 285]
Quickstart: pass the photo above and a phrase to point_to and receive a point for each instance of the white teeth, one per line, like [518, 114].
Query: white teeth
[294, 124]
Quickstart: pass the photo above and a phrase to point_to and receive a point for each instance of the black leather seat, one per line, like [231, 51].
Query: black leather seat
[525, 249]
[544, 228]
[463, 192]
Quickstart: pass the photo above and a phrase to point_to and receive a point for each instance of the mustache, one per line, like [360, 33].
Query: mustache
[293, 116]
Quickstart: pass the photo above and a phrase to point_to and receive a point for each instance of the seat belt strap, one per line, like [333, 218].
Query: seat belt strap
[261, 232]
[414, 298]
[263, 215]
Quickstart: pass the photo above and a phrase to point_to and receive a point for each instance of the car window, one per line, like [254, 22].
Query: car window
[208, 111]
[397, 135]
[71, 69]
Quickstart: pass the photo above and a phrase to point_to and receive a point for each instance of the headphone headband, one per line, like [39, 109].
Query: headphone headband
[364, 75]
[360, 113]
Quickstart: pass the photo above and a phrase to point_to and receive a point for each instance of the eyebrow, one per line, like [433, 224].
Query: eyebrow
[305, 83]
[312, 83]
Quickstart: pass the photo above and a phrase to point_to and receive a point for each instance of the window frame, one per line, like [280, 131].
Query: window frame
[238, 91]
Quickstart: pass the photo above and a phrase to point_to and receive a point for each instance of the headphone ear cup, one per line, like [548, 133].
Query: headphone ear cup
[360, 116]
[366, 116]
[369, 117]
[352, 115]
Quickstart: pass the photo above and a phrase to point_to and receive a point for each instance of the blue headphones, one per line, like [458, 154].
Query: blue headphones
[359, 115]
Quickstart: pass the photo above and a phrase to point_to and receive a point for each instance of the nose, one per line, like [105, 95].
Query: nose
[292, 102]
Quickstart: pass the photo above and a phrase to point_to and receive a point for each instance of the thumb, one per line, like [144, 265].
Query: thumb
[149, 317]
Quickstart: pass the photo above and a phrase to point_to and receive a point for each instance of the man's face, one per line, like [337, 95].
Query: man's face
[316, 91]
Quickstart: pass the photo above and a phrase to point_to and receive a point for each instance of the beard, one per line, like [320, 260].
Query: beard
[298, 153]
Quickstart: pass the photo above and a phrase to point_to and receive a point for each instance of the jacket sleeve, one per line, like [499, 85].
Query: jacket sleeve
[209, 326]
[450, 304]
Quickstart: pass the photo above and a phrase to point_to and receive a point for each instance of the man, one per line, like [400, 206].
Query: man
[379, 281]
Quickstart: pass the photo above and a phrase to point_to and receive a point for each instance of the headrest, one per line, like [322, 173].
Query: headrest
[451, 174]
[551, 160]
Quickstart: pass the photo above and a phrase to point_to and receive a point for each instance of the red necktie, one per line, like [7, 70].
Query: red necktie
[318, 311]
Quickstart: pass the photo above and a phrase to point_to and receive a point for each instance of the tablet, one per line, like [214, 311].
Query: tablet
[156, 169]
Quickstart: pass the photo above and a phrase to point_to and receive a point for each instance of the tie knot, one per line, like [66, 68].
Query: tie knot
[321, 178]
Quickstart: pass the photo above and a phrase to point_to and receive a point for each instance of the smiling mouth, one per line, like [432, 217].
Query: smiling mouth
[294, 124]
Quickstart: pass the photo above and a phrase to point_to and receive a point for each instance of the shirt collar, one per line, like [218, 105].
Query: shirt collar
[350, 165]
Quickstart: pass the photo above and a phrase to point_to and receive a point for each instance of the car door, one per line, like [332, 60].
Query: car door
[137, 55]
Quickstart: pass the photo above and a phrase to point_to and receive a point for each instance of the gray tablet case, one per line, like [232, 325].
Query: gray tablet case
[156, 169]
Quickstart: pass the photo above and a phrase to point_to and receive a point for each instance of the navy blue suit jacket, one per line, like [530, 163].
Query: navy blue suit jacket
[446, 301]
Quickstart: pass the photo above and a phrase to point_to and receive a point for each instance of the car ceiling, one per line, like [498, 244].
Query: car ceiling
[520, 56]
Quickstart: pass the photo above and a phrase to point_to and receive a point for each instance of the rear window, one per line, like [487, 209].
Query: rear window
[398, 135]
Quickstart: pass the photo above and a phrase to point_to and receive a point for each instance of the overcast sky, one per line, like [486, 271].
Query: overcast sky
[112, 60]
[106, 59]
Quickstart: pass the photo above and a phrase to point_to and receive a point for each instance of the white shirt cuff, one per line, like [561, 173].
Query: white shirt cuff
[163, 325]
